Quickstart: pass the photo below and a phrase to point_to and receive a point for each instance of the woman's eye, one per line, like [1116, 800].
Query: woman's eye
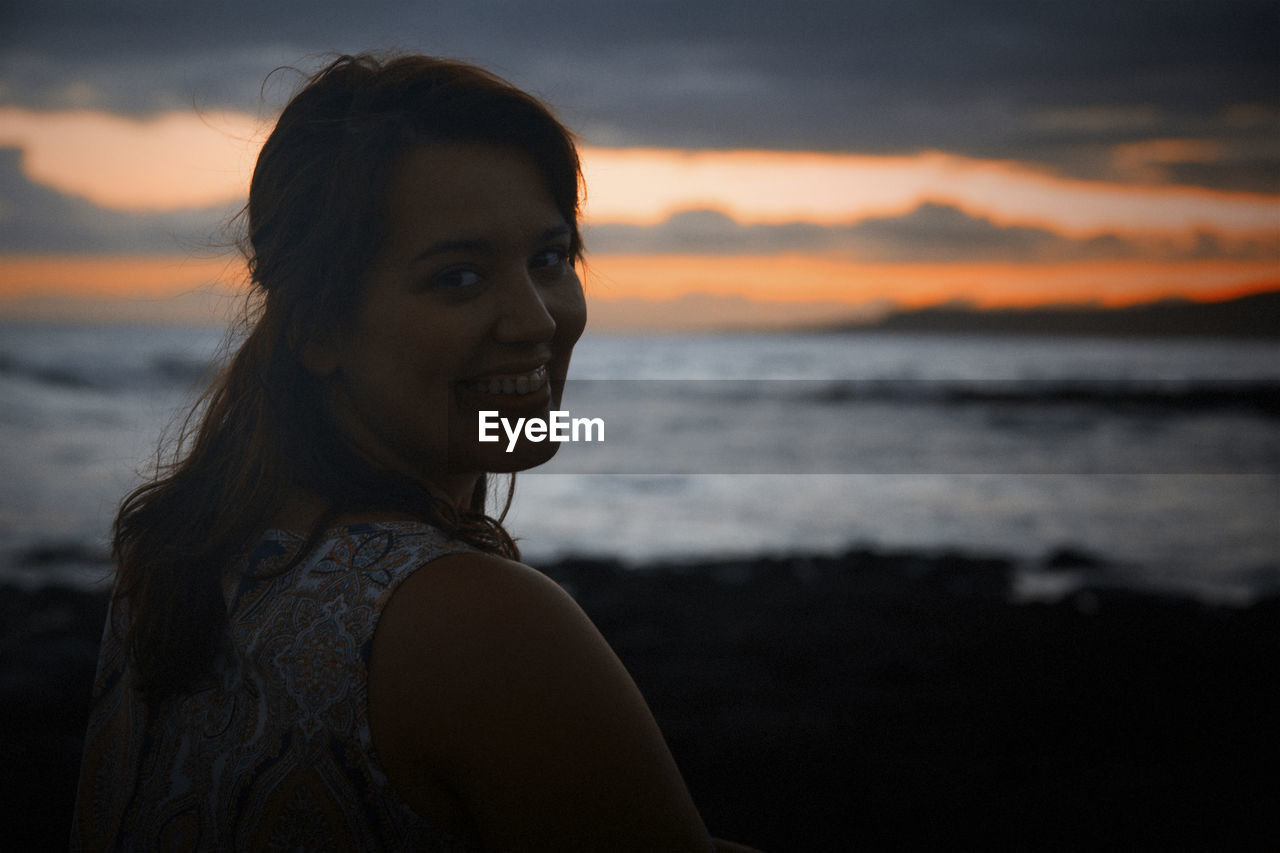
[550, 258]
[454, 279]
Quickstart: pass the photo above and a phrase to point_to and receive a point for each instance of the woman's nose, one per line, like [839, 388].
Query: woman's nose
[524, 313]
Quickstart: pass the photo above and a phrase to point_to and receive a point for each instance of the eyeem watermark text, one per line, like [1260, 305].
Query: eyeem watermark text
[558, 427]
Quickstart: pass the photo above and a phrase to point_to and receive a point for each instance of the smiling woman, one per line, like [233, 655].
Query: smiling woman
[318, 637]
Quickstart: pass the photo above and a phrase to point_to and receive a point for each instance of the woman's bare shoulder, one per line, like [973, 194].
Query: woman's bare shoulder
[492, 683]
[474, 626]
[466, 576]
[471, 605]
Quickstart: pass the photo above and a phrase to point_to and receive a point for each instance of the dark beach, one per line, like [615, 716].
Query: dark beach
[870, 701]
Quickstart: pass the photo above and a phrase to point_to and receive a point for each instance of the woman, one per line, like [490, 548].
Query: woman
[318, 639]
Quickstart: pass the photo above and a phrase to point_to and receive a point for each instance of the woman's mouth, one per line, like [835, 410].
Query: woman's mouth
[508, 384]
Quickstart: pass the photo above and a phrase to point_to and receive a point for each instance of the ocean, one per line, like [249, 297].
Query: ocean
[1141, 463]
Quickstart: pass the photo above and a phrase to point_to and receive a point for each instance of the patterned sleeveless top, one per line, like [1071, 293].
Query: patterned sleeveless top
[277, 756]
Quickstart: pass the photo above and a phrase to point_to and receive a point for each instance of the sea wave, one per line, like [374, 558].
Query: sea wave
[161, 371]
[1260, 397]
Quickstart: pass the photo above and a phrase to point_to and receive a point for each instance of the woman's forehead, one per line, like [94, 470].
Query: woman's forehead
[461, 191]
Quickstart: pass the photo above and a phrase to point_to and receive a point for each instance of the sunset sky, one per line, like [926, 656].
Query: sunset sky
[744, 160]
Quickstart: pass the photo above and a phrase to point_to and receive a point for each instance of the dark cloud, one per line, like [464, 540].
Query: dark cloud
[932, 233]
[1239, 173]
[34, 218]
[1060, 83]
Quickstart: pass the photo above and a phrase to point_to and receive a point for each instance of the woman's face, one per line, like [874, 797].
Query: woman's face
[472, 304]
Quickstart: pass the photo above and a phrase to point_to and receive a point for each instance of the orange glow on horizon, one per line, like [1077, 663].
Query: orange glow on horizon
[124, 276]
[804, 278]
[791, 279]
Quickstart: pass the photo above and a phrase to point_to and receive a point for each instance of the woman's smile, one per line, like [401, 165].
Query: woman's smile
[509, 384]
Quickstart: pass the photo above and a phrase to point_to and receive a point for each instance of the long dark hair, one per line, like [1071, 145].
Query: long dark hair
[315, 221]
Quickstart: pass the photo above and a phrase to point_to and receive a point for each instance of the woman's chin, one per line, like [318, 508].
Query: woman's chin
[526, 454]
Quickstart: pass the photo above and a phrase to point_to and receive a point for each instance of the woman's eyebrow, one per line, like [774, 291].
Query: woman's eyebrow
[554, 232]
[481, 245]
[461, 245]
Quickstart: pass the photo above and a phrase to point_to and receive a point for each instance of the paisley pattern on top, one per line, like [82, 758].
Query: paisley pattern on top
[275, 753]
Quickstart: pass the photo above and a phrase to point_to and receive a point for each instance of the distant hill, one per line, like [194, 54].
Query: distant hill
[1253, 316]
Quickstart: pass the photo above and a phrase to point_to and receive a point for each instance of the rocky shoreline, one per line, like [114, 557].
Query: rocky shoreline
[825, 703]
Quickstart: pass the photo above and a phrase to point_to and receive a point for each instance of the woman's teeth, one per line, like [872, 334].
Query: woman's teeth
[516, 383]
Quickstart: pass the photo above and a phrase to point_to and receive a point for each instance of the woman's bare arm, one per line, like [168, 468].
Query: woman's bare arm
[491, 689]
